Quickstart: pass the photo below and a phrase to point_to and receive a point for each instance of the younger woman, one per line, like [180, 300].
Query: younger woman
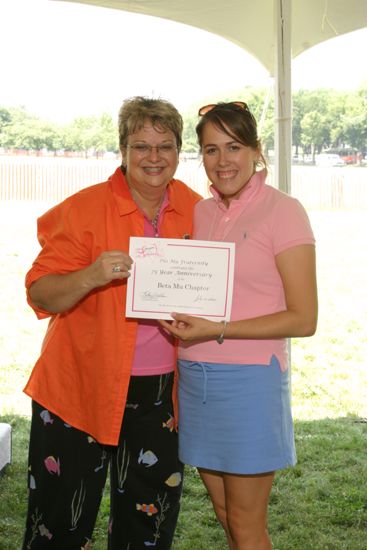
[235, 422]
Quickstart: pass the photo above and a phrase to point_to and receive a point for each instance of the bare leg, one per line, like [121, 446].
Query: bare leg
[241, 503]
[214, 484]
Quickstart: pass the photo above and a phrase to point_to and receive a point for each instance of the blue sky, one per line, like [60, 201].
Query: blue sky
[61, 60]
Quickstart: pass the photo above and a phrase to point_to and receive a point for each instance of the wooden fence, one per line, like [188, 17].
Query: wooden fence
[49, 179]
[53, 179]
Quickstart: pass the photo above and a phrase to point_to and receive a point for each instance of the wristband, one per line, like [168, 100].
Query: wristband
[220, 338]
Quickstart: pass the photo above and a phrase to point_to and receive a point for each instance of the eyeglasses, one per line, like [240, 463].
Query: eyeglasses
[143, 149]
[236, 105]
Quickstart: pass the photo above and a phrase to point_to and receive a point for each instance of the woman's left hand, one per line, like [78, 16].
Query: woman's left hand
[188, 328]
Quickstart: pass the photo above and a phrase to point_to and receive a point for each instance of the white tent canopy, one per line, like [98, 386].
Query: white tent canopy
[273, 31]
[251, 24]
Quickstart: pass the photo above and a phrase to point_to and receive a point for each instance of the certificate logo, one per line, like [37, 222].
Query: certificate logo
[147, 250]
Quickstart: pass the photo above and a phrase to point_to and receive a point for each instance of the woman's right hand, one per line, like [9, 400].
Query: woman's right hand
[57, 293]
[109, 266]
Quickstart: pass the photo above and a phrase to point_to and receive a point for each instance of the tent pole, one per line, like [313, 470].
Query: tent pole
[283, 96]
[283, 105]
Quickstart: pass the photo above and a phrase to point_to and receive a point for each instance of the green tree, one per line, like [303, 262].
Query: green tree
[24, 131]
[106, 137]
[298, 112]
[310, 108]
[355, 131]
[79, 135]
[313, 131]
[5, 121]
[355, 120]
[334, 118]
[189, 139]
[91, 135]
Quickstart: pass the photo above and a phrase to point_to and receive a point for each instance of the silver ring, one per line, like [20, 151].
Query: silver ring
[116, 269]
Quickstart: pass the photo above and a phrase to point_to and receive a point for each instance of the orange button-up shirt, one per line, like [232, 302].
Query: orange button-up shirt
[83, 372]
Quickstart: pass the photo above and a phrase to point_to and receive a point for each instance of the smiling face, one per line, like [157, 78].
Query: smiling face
[228, 163]
[151, 169]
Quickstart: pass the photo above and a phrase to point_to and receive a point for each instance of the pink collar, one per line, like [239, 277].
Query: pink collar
[253, 188]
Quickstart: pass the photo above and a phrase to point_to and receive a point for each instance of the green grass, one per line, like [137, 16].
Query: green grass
[320, 504]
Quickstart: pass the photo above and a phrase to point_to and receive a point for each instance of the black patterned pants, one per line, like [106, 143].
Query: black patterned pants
[68, 470]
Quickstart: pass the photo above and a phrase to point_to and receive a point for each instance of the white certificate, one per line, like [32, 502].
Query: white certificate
[182, 276]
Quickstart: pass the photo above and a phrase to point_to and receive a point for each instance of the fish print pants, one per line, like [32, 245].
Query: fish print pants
[68, 470]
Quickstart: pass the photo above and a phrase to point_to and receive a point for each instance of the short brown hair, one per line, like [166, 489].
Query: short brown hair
[161, 113]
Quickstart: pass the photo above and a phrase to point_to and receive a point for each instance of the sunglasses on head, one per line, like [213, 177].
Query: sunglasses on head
[235, 105]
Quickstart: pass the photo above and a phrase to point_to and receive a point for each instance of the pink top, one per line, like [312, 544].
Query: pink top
[262, 222]
[150, 336]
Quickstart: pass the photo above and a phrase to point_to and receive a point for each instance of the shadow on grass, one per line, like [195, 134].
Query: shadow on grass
[319, 504]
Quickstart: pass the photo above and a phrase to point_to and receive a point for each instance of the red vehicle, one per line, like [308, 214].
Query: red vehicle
[348, 154]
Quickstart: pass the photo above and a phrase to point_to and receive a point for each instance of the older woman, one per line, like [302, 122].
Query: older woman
[102, 388]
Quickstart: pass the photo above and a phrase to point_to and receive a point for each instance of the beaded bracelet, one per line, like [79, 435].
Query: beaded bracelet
[220, 338]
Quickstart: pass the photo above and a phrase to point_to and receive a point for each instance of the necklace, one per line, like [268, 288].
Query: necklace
[155, 219]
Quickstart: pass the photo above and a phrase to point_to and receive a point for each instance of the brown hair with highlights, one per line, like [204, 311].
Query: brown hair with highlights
[234, 119]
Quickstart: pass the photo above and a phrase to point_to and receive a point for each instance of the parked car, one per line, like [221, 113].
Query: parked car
[348, 154]
[329, 159]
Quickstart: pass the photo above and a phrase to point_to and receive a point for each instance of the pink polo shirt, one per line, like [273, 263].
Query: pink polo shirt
[262, 222]
[151, 336]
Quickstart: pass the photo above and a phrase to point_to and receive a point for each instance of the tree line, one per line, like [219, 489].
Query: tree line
[321, 119]
[20, 130]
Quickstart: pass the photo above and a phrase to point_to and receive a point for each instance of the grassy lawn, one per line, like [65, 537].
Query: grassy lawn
[320, 504]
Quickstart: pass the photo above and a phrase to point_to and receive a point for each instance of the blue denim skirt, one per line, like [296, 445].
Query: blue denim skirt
[235, 418]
